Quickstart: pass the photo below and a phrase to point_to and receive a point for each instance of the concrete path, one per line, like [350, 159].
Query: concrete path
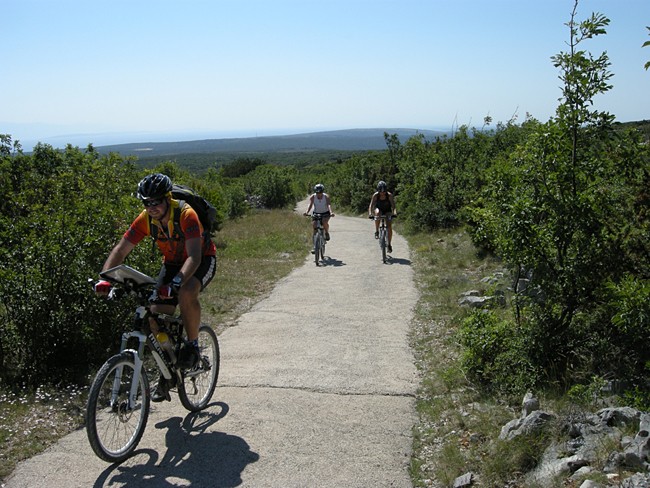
[316, 389]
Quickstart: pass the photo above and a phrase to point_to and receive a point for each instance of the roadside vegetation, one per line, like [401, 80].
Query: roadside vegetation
[553, 215]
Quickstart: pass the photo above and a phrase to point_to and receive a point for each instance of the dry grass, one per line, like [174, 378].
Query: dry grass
[253, 254]
[31, 422]
[456, 422]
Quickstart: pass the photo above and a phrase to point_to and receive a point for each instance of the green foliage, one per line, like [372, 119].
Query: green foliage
[272, 184]
[569, 206]
[638, 397]
[58, 222]
[61, 212]
[240, 167]
[631, 297]
[353, 183]
[587, 394]
[496, 353]
[235, 197]
[629, 308]
[437, 180]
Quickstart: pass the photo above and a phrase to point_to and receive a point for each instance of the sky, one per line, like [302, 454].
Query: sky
[116, 71]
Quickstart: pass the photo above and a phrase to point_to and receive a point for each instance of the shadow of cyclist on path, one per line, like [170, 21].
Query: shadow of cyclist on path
[333, 262]
[194, 456]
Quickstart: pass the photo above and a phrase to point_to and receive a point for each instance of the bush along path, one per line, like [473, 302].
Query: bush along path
[466, 436]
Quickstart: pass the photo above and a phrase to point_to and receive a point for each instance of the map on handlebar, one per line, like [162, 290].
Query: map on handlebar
[123, 273]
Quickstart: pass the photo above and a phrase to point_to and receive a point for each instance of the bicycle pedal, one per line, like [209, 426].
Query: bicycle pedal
[158, 397]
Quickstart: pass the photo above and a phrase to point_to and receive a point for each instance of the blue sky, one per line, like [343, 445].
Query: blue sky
[106, 71]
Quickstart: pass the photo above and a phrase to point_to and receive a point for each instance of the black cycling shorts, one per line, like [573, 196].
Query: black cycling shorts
[204, 274]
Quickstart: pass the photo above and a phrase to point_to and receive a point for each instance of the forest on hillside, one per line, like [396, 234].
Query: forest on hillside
[564, 203]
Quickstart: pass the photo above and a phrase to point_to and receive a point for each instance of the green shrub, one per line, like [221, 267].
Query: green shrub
[273, 184]
[62, 211]
[495, 353]
[235, 200]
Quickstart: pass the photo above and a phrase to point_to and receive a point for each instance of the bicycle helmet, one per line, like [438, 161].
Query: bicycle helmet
[381, 186]
[156, 185]
[319, 188]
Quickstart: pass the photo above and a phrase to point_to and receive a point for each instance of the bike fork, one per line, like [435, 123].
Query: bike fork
[138, 367]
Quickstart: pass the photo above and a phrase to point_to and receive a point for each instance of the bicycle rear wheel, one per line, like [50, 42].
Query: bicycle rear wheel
[198, 384]
[113, 423]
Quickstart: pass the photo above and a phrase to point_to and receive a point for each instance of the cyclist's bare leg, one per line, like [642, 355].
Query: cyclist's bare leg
[376, 220]
[188, 300]
[160, 308]
[389, 225]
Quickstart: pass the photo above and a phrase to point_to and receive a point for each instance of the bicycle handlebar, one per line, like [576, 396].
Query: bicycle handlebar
[120, 289]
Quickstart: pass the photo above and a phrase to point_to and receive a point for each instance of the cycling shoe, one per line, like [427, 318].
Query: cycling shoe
[187, 357]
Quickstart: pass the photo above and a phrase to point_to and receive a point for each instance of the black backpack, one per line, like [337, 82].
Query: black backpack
[205, 210]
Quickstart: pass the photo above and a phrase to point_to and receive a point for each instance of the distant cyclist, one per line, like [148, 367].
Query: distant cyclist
[383, 203]
[320, 201]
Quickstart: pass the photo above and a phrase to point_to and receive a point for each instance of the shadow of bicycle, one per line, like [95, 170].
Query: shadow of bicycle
[333, 262]
[194, 456]
[402, 261]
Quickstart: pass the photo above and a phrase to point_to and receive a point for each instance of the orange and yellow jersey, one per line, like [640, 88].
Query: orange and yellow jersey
[170, 241]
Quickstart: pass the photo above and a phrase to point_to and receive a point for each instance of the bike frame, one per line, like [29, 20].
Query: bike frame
[319, 237]
[165, 367]
[383, 234]
[123, 383]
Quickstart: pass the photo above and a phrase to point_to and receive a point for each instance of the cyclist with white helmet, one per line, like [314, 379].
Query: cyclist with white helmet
[320, 202]
[383, 203]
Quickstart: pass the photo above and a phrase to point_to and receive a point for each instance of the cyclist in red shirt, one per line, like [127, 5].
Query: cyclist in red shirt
[189, 261]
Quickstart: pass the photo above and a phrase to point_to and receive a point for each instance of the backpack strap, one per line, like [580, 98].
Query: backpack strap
[177, 232]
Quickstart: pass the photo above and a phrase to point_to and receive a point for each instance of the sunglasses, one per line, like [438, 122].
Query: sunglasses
[153, 202]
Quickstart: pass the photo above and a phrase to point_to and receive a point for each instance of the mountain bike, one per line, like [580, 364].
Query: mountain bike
[383, 234]
[120, 396]
[319, 238]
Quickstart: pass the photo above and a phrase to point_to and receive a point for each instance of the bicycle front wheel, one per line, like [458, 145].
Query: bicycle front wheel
[117, 410]
[382, 244]
[317, 245]
[198, 384]
[322, 248]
